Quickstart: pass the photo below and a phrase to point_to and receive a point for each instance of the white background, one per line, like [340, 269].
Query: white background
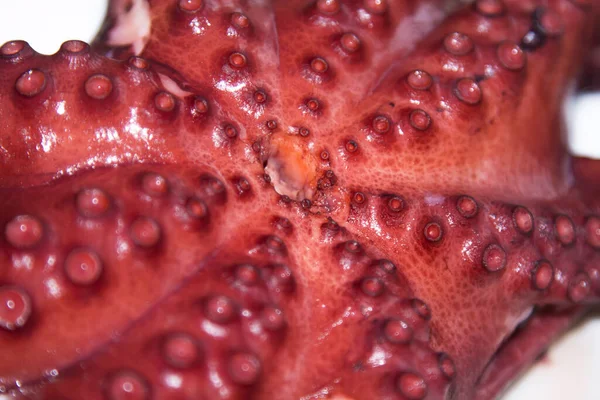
[568, 372]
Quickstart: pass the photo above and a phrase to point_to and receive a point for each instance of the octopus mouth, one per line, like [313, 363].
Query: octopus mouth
[291, 169]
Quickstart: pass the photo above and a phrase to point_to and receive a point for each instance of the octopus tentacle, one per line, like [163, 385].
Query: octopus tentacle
[345, 200]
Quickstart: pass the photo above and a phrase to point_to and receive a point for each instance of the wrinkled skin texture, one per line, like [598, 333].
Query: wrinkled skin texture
[285, 200]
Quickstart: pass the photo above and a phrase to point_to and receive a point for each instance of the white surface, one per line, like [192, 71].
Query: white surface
[584, 120]
[45, 24]
[570, 372]
[571, 364]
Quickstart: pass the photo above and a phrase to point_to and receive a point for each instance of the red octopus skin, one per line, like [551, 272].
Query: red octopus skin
[295, 200]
